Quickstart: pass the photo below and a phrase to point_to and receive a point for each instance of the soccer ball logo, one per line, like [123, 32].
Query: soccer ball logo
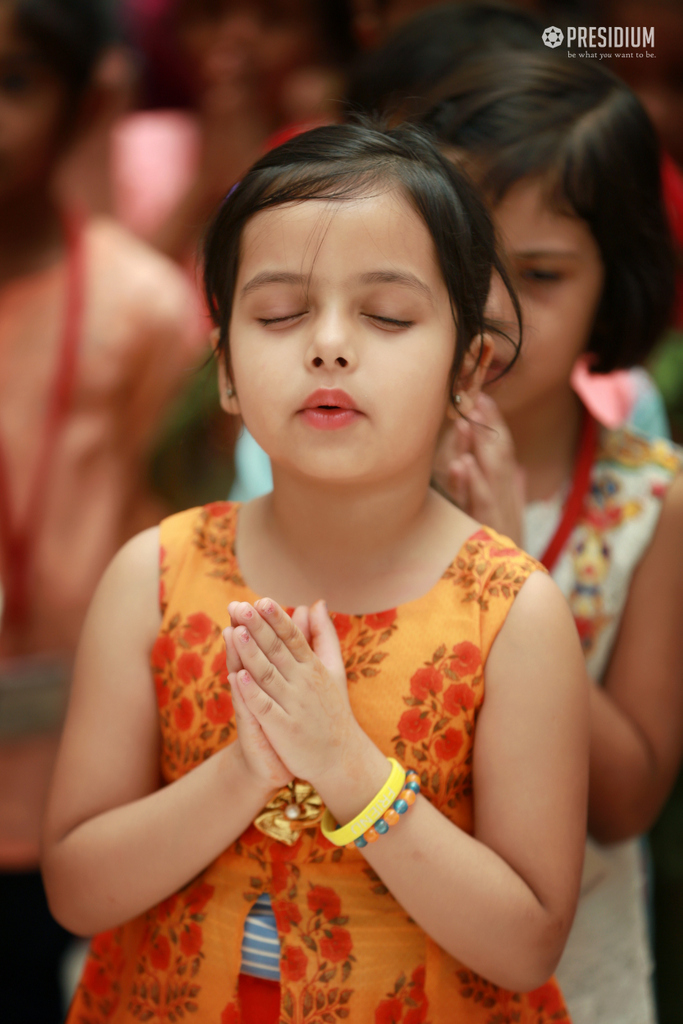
[553, 36]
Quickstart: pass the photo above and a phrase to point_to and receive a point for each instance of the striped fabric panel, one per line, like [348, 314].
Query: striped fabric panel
[260, 942]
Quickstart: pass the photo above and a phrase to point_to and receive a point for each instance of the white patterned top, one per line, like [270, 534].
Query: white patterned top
[606, 970]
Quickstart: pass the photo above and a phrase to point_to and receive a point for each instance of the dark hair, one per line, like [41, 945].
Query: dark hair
[341, 162]
[432, 45]
[585, 134]
[69, 35]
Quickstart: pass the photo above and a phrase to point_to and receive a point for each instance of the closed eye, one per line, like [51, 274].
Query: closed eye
[266, 321]
[389, 321]
[540, 276]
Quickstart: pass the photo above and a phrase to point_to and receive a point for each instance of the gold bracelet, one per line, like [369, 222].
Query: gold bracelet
[370, 814]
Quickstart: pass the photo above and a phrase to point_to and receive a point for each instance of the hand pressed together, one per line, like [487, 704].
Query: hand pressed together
[293, 693]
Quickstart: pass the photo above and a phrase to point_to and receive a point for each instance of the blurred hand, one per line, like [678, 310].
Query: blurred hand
[475, 465]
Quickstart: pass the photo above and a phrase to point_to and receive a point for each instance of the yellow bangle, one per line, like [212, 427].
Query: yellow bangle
[370, 814]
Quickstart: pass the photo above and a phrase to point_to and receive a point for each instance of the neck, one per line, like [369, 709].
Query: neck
[546, 437]
[31, 234]
[366, 523]
[310, 539]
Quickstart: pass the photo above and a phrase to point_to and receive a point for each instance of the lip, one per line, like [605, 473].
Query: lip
[329, 409]
[331, 397]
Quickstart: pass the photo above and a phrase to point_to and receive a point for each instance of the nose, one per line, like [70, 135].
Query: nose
[331, 343]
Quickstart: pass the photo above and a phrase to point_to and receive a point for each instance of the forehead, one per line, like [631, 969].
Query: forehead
[526, 216]
[340, 238]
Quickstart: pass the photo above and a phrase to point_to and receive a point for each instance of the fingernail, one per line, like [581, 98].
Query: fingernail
[266, 606]
[246, 678]
[243, 634]
[247, 611]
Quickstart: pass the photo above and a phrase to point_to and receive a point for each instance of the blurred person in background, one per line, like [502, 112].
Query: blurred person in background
[246, 69]
[398, 79]
[570, 164]
[96, 330]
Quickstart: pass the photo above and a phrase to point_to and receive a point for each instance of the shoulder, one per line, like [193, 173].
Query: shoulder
[632, 452]
[206, 532]
[137, 277]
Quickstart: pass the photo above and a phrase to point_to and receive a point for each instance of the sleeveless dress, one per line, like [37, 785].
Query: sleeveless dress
[605, 971]
[348, 949]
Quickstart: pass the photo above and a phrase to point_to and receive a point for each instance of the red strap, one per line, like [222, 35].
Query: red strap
[577, 496]
[18, 539]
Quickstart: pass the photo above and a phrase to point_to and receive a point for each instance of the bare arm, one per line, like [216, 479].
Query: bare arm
[637, 717]
[501, 901]
[115, 841]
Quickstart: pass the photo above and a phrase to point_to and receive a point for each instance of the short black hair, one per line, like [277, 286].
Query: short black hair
[70, 36]
[430, 46]
[342, 162]
[581, 130]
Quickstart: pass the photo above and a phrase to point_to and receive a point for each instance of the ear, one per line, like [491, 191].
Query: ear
[472, 375]
[226, 389]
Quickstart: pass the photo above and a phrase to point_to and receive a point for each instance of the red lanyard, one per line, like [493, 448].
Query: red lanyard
[577, 496]
[18, 537]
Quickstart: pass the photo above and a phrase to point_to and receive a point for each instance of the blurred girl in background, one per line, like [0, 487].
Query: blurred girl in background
[570, 164]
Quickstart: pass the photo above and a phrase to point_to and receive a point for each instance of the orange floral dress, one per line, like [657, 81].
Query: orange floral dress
[348, 949]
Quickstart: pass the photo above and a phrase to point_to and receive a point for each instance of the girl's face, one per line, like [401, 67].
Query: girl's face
[32, 113]
[558, 273]
[342, 338]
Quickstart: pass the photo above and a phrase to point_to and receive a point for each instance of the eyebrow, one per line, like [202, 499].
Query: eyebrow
[396, 277]
[272, 277]
[531, 254]
[372, 277]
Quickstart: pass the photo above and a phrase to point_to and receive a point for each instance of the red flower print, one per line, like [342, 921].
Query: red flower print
[166, 908]
[183, 714]
[457, 697]
[417, 1014]
[286, 914]
[219, 667]
[389, 1011]
[219, 707]
[163, 692]
[448, 745]
[424, 680]
[198, 897]
[95, 978]
[230, 1015]
[280, 876]
[280, 851]
[251, 836]
[547, 998]
[419, 976]
[412, 726]
[216, 509]
[342, 624]
[337, 944]
[382, 619]
[160, 953]
[190, 666]
[293, 963]
[466, 658]
[326, 900]
[101, 944]
[191, 939]
[163, 651]
[198, 629]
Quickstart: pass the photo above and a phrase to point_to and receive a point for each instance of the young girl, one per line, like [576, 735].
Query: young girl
[347, 275]
[570, 162]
